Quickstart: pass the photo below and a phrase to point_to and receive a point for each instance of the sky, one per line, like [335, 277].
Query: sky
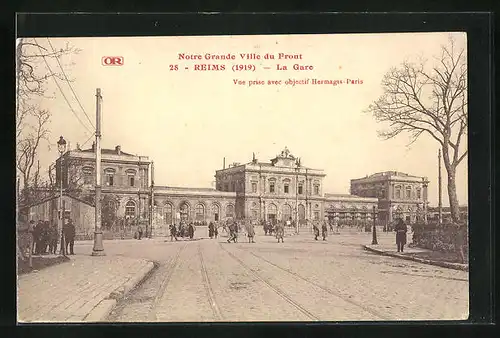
[187, 121]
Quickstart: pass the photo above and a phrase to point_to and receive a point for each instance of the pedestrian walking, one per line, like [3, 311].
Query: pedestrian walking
[211, 230]
[280, 231]
[216, 230]
[173, 232]
[69, 236]
[316, 231]
[401, 230]
[324, 231]
[250, 232]
[191, 230]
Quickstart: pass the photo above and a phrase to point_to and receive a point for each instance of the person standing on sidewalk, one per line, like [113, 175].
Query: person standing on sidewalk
[216, 230]
[401, 230]
[53, 240]
[69, 236]
[173, 232]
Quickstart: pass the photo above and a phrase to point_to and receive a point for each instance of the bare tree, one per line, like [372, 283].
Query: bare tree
[431, 100]
[32, 123]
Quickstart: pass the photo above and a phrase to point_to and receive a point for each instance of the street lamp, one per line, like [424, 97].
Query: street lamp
[61, 147]
[374, 233]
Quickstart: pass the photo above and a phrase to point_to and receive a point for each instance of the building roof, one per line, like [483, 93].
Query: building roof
[56, 195]
[388, 174]
[106, 151]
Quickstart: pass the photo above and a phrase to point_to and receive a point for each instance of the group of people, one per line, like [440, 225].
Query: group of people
[213, 230]
[46, 237]
[324, 231]
[182, 230]
[234, 228]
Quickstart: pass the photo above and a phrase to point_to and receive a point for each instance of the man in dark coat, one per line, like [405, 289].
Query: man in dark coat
[211, 230]
[173, 232]
[69, 236]
[401, 230]
[53, 240]
[324, 231]
[191, 230]
[139, 232]
[316, 231]
[216, 230]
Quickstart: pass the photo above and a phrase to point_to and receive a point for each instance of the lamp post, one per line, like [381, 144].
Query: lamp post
[61, 147]
[374, 232]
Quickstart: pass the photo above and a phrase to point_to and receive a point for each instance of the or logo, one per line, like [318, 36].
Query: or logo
[112, 60]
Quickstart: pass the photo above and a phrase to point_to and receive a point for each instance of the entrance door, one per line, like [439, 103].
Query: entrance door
[272, 218]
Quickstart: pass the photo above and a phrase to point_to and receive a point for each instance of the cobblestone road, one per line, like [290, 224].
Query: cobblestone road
[299, 280]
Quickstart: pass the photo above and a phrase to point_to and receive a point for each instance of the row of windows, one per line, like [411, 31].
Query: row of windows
[398, 192]
[286, 188]
[88, 179]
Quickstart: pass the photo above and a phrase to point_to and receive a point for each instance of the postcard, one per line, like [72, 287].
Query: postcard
[242, 178]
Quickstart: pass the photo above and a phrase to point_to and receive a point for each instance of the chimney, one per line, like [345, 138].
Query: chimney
[118, 150]
[93, 146]
[224, 163]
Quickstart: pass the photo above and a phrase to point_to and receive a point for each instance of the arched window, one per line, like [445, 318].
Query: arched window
[286, 186]
[200, 212]
[302, 212]
[286, 212]
[316, 188]
[301, 188]
[130, 209]
[184, 210]
[215, 212]
[254, 211]
[168, 213]
[230, 210]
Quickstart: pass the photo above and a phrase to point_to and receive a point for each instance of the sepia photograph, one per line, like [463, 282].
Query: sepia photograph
[242, 178]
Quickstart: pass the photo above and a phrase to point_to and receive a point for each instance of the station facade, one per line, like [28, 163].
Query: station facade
[279, 189]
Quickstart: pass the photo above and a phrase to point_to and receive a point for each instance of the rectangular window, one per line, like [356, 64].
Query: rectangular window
[131, 180]
[300, 189]
[254, 187]
[286, 188]
[316, 190]
[419, 194]
[316, 215]
[271, 187]
[109, 179]
[408, 193]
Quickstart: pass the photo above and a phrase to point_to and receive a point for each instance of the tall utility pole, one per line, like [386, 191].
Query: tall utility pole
[98, 249]
[152, 200]
[297, 198]
[440, 192]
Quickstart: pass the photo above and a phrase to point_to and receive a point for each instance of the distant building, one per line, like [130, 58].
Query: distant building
[399, 195]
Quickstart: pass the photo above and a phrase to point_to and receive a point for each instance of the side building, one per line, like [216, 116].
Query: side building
[399, 195]
[124, 180]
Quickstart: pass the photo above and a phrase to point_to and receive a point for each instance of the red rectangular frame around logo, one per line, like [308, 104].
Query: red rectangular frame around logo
[112, 60]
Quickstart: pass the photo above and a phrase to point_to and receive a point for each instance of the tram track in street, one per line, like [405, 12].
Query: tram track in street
[208, 288]
[324, 288]
[273, 287]
[172, 266]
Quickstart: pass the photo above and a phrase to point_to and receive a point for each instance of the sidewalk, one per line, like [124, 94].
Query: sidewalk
[84, 289]
[387, 246]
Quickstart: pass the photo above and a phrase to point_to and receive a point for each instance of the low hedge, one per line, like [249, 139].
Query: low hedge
[444, 238]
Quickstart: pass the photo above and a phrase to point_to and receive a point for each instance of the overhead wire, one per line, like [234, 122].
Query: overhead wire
[69, 84]
[60, 89]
